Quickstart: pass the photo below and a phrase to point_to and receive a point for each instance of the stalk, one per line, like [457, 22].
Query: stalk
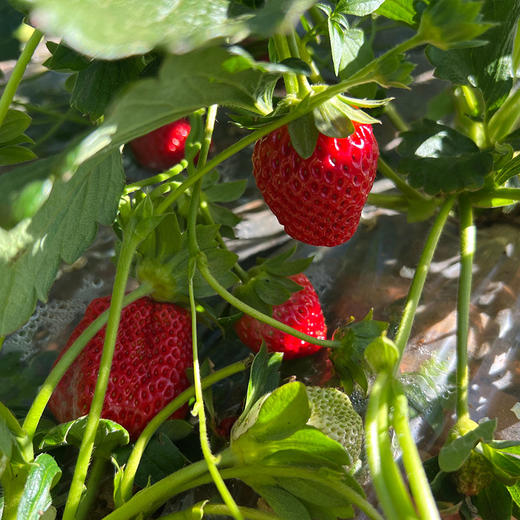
[196, 512]
[128, 248]
[394, 116]
[98, 471]
[467, 251]
[51, 382]
[18, 72]
[417, 479]
[289, 78]
[400, 183]
[241, 306]
[160, 177]
[414, 295]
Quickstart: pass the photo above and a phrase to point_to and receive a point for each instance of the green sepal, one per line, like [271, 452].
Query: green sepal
[15, 154]
[453, 455]
[225, 191]
[283, 503]
[65, 59]
[14, 124]
[494, 502]
[304, 135]
[505, 463]
[349, 361]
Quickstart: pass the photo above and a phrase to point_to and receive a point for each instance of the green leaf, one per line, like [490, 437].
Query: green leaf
[274, 291]
[489, 67]
[96, 85]
[185, 84]
[225, 191]
[304, 135]
[10, 20]
[65, 59]
[36, 498]
[30, 254]
[514, 491]
[6, 445]
[453, 455]
[506, 119]
[179, 26]
[281, 265]
[14, 124]
[223, 216]
[284, 504]
[278, 415]
[448, 24]
[264, 377]
[390, 70]
[358, 7]
[307, 442]
[400, 10]
[506, 463]
[494, 502]
[15, 155]
[109, 435]
[440, 159]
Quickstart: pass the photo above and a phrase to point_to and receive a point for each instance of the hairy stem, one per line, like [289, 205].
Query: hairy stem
[97, 473]
[414, 295]
[126, 255]
[18, 72]
[160, 177]
[417, 478]
[282, 49]
[241, 306]
[399, 182]
[467, 251]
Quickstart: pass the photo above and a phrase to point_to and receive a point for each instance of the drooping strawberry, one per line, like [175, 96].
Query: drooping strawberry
[163, 147]
[301, 311]
[153, 351]
[318, 200]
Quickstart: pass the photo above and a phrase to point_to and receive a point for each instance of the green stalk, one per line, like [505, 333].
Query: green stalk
[382, 200]
[152, 497]
[126, 255]
[289, 78]
[156, 179]
[414, 295]
[97, 472]
[196, 512]
[386, 477]
[417, 479]
[467, 251]
[132, 464]
[303, 85]
[401, 184]
[198, 408]
[18, 72]
[51, 382]
[241, 306]
[485, 199]
[394, 116]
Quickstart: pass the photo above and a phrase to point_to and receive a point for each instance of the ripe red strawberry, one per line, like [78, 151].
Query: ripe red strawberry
[162, 148]
[318, 200]
[153, 350]
[301, 311]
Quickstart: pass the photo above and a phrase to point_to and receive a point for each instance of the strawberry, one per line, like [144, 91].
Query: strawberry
[162, 148]
[318, 200]
[474, 475]
[152, 352]
[301, 311]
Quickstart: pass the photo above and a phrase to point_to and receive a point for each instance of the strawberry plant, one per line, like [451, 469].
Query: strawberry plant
[108, 114]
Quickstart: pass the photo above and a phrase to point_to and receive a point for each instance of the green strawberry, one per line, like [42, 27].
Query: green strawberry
[333, 414]
[474, 475]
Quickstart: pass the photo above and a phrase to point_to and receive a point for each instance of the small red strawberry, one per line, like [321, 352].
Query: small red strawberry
[152, 352]
[301, 311]
[318, 200]
[162, 148]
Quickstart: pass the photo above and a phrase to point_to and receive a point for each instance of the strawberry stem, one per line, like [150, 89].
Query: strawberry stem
[156, 179]
[198, 408]
[417, 478]
[290, 80]
[18, 72]
[414, 295]
[51, 382]
[467, 251]
[394, 116]
[126, 255]
[97, 473]
[132, 464]
[260, 316]
[304, 88]
[401, 184]
[386, 477]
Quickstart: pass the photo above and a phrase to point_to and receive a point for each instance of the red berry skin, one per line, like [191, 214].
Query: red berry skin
[301, 311]
[318, 200]
[152, 352]
[162, 148]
